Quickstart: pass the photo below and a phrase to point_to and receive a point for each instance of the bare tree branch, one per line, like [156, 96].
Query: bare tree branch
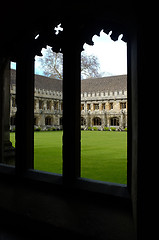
[52, 65]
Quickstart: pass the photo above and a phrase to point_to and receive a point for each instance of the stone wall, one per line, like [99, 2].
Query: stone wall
[101, 109]
[104, 109]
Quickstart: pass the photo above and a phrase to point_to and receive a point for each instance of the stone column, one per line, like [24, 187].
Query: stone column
[36, 104]
[126, 120]
[52, 106]
[6, 149]
[100, 106]
[9, 151]
[85, 106]
[45, 105]
[108, 120]
[87, 119]
[103, 120]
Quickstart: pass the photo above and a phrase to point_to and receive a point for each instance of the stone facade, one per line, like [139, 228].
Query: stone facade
[99, 108]
[104, 109]
[48, 108]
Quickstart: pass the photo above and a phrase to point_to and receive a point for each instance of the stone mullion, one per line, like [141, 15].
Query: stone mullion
[71, 94]
[25, 113]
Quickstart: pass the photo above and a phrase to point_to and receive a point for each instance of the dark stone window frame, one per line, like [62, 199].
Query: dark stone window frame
[71, 165]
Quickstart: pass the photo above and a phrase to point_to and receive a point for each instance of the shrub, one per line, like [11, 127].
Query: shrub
[89, 128]
[95, 128]
[113, 129]
[38, 129]
[106, 129]
[125, 129]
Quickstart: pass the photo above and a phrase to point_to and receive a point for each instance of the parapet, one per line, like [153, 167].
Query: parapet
[43, 93]
[48, 94]
[108, 95]
[104, 95]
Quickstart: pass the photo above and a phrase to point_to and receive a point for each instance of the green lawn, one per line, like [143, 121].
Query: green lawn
[48, 151]
[103, 154]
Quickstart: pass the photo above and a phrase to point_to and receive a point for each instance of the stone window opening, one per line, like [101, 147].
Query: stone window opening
[41, 105]
[102, 94]
[114, 121]
[96, 106]
[111, 106]
[49, 62]
[48, 105]
[48, 121]
[82, 107]
[55, 105]
[103, 106]
[96, 121]
[88, 106]
[123, 105]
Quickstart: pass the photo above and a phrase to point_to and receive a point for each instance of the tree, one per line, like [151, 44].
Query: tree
[52, 64]
[89, 66]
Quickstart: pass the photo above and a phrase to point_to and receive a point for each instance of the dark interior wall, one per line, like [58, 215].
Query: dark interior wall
[77, 212]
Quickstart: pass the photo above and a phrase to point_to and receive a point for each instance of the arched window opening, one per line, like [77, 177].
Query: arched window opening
[114, 121]
[49, 105]
[99, 87]
[48, 121]
[97, 121]
[103, 88]
[48, 91]
[41, 104]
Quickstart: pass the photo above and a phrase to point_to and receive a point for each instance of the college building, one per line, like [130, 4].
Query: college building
[103, 102]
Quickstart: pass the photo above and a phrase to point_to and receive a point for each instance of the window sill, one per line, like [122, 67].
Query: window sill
[6, 169]
[106, 188]
[55, 181]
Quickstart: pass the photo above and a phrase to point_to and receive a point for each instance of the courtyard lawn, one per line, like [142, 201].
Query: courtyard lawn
[48, 151]
[103, 154]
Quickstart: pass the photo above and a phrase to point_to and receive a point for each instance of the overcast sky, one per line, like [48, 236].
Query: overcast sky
[112, 55]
